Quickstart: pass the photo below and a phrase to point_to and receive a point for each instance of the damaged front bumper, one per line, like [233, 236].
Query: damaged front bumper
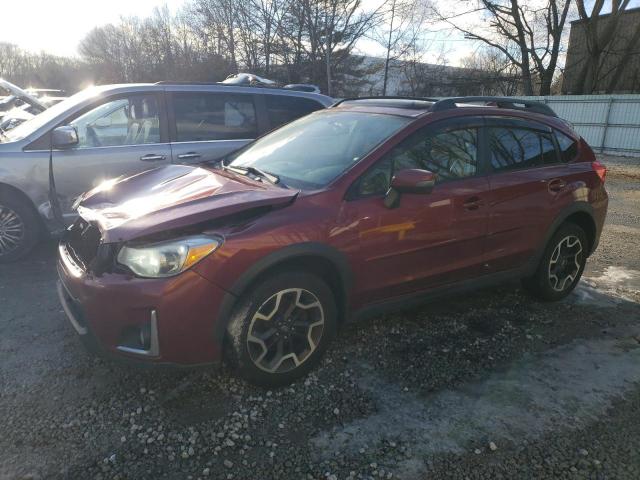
[169, 320]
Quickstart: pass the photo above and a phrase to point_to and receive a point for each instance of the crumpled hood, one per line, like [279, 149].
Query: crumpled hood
[172, 197]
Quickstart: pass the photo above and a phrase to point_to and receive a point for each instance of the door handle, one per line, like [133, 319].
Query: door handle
[472, 203]
[189, 155]
[152, 157]
[556, 185]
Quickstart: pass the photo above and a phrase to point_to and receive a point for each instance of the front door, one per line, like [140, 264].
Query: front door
[119, 137]
[430, 239]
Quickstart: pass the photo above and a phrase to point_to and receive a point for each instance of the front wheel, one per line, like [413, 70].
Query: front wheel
[561, 265]
[281, 327]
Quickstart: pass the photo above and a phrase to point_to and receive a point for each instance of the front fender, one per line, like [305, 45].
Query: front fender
[307, 249]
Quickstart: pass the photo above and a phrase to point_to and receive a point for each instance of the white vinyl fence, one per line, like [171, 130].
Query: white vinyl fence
[609, 123]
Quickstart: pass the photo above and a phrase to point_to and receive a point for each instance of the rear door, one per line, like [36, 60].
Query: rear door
[528, 189]
[118, 136]
[206, 125]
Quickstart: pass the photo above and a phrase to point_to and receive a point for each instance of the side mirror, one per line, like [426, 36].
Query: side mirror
[64, 137]
[410, 180]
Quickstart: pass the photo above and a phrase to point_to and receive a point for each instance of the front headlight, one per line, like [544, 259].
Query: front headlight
[165, 259]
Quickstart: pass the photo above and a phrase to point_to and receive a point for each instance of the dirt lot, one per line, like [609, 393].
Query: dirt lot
[491, 385]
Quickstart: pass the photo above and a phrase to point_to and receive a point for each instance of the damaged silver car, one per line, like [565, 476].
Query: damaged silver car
[107, 132]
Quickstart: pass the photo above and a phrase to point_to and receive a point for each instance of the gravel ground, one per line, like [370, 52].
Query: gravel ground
[490, 385]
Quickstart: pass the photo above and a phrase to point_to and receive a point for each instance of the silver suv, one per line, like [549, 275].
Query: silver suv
[118, 130]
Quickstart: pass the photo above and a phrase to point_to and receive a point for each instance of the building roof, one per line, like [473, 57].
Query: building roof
[606, 15]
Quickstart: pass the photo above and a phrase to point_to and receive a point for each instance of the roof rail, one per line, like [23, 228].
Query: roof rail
[218, 84]
[305, 88]
[169, 82]
[389, 97]
[501, 102]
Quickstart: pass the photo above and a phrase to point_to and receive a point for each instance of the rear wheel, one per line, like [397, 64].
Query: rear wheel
[281, 327]
[19, 228]
[561, 265]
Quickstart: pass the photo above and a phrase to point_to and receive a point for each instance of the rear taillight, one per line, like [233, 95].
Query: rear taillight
[600, 170]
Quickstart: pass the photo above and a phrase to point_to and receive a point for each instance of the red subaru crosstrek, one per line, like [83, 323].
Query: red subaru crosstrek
[372, 203]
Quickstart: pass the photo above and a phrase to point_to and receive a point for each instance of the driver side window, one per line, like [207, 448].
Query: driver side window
[450, 154]
[126, 121]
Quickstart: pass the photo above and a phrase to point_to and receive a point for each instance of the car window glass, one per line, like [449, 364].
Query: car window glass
[450, 154]
[210, 116]
[568, 146]
[377, 179]
[514, 148]
[312, 151]
[549, 154]
[125, 121]
[284, 109]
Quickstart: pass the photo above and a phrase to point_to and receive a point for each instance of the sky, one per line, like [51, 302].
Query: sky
[58, 26]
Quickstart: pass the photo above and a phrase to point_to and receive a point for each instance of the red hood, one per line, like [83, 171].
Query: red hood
[172, 197]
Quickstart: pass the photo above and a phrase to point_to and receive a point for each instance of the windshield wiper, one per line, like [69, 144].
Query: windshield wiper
[269, 177]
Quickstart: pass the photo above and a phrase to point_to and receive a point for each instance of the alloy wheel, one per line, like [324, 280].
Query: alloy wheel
[565, 263]
[285, 330]
[11, 230]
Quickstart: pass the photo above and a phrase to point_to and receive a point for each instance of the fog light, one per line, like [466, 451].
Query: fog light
[142, 339]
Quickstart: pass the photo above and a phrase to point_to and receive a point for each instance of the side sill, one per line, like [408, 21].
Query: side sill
[417, 299]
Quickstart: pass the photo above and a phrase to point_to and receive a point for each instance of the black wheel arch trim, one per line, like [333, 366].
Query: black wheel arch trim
[307, 249]
[577, 207]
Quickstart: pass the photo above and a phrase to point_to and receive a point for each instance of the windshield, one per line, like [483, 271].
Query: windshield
[45, 117]
[314, 150]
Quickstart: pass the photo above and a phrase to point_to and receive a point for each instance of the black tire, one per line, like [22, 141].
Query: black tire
[544, 284]
[263, 295]
[30, 226]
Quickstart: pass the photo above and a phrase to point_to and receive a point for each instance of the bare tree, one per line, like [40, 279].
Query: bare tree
[333, 28]
[288, 40]
[529, 34]
[28, 69]
[271, 14]
[220, 20]
[421, 78]
[399, 30]
[493, 71]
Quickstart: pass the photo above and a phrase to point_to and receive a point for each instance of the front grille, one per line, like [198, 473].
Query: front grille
[82, 240]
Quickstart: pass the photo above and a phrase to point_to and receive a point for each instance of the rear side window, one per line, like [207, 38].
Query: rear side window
[214, 116]
[549, 153]
[283, 109]
[568, 146]
[514, 148]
